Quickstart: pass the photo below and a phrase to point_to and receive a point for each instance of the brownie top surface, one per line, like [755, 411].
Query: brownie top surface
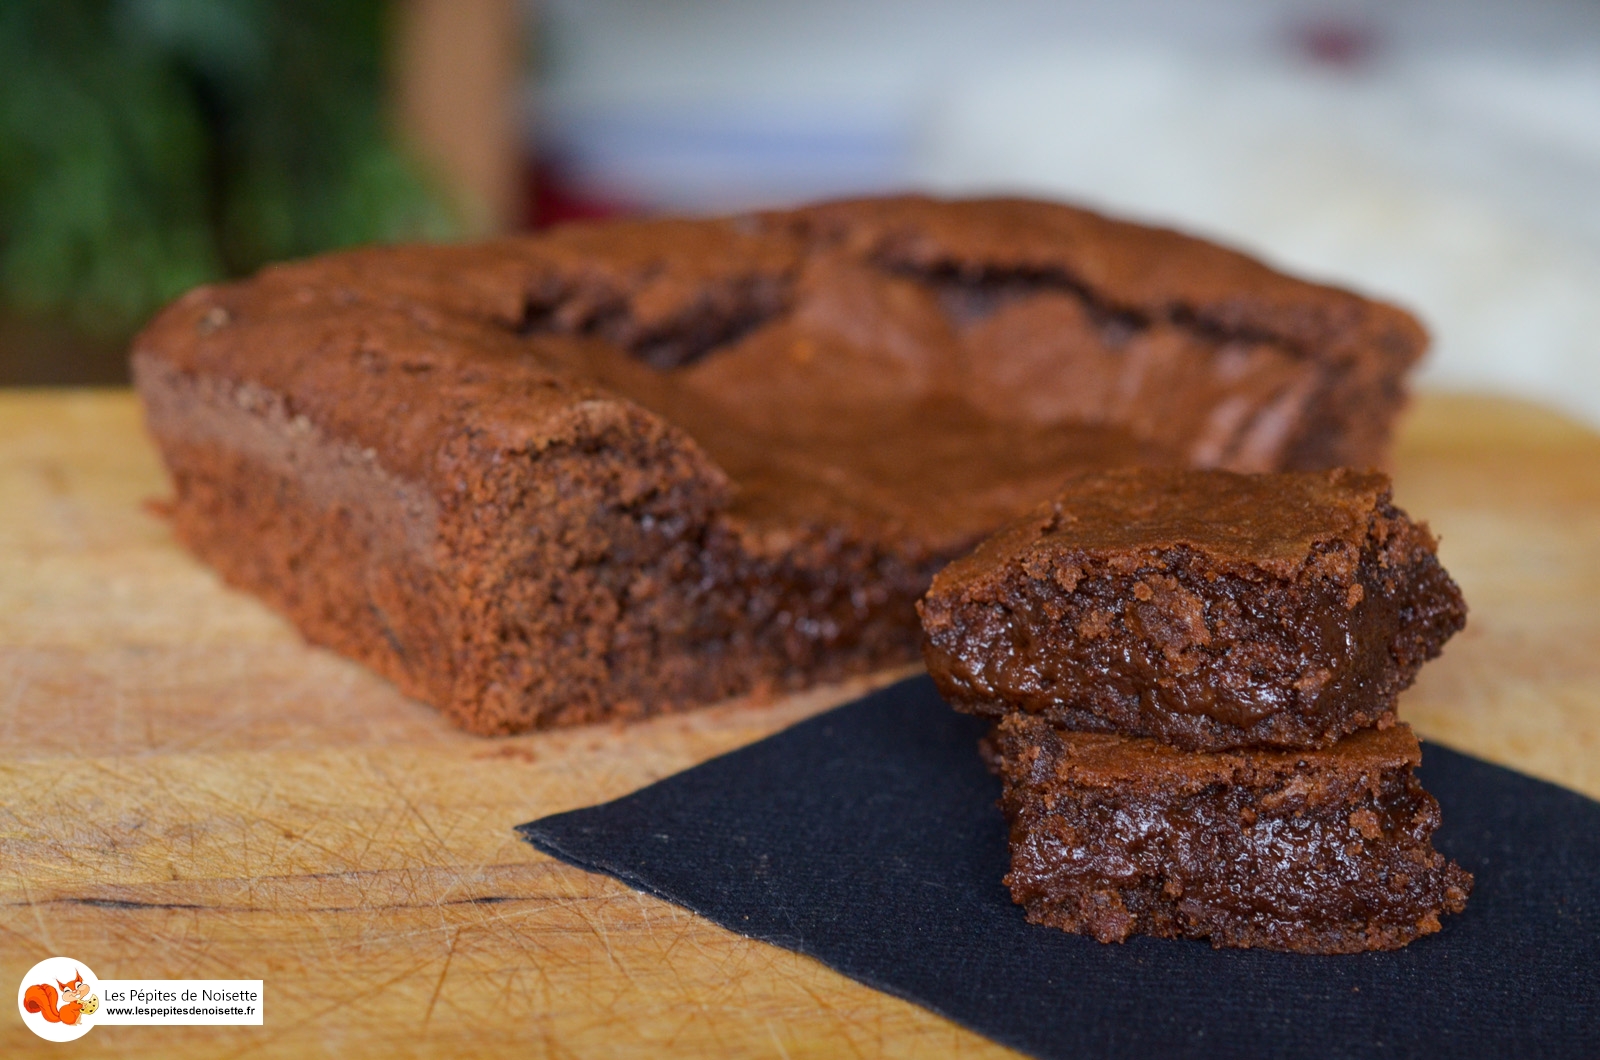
[1129, 266]
[808, 359]
[1105, 759]
[1269, 522]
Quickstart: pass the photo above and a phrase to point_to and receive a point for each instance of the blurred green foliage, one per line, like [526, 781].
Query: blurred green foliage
[150, 145]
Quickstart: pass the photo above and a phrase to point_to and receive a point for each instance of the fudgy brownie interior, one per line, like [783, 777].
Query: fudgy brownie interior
[1324, 851]
[1208, 609]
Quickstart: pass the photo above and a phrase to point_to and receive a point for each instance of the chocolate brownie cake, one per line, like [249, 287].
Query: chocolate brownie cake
[1323, 851]
[1205, 608]
[624, 467]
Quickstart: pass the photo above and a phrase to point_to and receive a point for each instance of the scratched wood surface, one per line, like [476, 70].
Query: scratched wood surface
[186, 790]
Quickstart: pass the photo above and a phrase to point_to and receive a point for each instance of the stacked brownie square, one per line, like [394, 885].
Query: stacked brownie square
[1193, 676]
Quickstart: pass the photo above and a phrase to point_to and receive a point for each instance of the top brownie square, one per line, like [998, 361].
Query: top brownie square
[1208, 609]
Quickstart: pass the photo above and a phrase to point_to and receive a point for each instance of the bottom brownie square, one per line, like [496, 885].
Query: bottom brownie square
[1324, 851]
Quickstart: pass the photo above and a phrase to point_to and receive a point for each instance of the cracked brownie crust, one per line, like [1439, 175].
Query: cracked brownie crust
[626, 467]
[1208, 609]
[1325, 851]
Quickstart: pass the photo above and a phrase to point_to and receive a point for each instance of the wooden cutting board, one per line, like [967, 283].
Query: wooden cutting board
[188, 791]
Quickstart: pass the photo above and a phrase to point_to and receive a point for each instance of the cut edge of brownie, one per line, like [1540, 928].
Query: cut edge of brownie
[1205, 645]
[551, 588]
[1324, 851]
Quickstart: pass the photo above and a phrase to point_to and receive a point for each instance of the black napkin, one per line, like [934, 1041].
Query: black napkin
[868, 838]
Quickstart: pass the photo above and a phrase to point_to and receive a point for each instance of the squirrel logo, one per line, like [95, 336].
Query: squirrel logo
[57, 999]
[73, 1002]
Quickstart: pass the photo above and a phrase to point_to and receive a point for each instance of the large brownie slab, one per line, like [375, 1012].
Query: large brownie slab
[1323, 851]
[625, 467]
[1208, 609]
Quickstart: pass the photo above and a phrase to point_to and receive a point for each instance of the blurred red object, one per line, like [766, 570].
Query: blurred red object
[1337, 43]
[552, 199]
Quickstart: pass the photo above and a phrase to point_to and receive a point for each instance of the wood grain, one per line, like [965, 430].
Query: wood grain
[186, 790]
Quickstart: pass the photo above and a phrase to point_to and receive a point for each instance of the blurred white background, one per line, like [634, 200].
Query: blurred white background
[1445, 155]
